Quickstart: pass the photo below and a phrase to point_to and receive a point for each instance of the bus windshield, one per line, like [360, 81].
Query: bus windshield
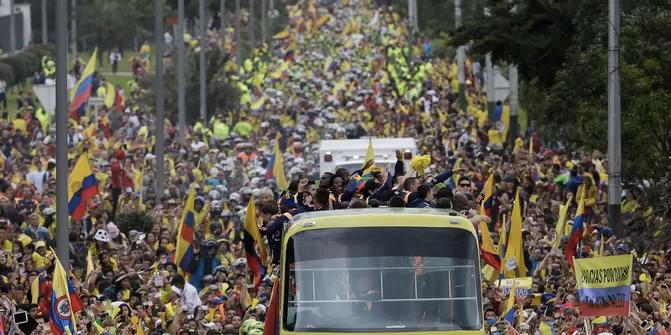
[382, 279]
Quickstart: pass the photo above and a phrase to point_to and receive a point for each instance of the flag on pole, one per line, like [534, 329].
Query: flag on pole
[277, 165]
[64, 303]
[604, 285]
[81, 93]
[503, 237]
[186, 233]
[576, 231]
[370, 155]
[487, 250]
[252, 241]
[272, 323]
[488, 197]
[561, 222]
[509, 311]
[110, 95]
[514, 265]
[82, 186]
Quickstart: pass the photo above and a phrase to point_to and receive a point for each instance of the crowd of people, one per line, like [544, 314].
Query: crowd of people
[339, 71]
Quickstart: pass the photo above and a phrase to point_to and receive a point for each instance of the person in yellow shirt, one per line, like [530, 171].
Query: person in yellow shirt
[40, 256]
[495, 138]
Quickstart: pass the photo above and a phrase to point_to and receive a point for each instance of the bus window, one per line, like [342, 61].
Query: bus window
[377, 279]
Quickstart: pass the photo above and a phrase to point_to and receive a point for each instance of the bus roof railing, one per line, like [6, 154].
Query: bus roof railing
[371, 211]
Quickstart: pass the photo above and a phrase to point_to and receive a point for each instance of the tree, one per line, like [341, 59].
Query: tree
[222, 97]
[113, 23]
[561, 49]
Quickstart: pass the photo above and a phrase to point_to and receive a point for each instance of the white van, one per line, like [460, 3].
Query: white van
[350, 154]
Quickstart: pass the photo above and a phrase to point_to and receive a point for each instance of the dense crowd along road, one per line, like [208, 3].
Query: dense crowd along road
[205, 258]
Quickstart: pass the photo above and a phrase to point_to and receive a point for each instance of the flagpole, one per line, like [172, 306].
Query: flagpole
[181, 80]
[203, 63]
[62, 243]
[160, 115]
[12, 28]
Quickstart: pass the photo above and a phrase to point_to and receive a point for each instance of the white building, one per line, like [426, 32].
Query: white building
[22, 14]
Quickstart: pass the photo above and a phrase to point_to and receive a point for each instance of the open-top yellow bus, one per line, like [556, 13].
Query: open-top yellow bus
[392, 270]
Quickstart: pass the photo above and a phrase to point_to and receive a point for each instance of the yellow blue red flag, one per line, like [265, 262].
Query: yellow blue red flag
[64, 303]
[82, 186]
[81, 93]
[186, 234]
[514, 265]
[252, 241]
[604, 285]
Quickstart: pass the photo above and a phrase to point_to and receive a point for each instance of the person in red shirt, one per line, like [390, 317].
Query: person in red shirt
[120, 179]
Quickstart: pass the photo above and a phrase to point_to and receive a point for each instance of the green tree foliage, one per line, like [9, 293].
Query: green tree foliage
[114, 24]
[222, 97]
[16, 68]
[561, 48]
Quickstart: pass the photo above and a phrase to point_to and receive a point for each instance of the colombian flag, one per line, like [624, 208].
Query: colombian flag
[272, 323]
[252, 240]
[515, 247]
[81, 93]
[509, 312]
[576, 232]
[487, 250]
[489, 253]
[275, 167]
[488, 199]
[186, 237]
[40, 292]
[64, 303]
[82, 186]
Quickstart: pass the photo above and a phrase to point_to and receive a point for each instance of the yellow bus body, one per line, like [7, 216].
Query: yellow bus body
[370, 218]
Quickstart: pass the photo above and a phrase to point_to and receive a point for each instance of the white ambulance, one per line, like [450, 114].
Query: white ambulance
[350, 154]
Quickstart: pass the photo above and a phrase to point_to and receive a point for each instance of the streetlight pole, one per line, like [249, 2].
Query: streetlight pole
[222, 20]
[491, 94]
[514, 102]
[12, 28]
[513, 98]
[181, 59]
[62, 240]
[614, 151]
[252, 38]
[73, 29]
[238, 47]
[158, 89]
[264, 20]
[45, 37]
[411, 24]
[203, 63]
[461, 75]
[271, 18]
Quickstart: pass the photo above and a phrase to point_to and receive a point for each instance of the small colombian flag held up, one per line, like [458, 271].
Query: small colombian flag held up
[186, 234]
[252, 240]
[82, 186]
[81, 93]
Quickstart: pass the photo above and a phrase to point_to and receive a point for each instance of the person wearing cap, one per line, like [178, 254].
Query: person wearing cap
[204, 262]
[40, 256]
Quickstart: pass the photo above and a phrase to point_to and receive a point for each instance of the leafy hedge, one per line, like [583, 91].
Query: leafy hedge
[139, 221]
[14, 69]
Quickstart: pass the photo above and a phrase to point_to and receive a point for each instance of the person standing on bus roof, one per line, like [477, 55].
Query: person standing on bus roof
[424, 197]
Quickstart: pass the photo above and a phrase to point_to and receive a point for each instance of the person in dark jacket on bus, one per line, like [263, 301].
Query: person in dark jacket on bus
[424, 197]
